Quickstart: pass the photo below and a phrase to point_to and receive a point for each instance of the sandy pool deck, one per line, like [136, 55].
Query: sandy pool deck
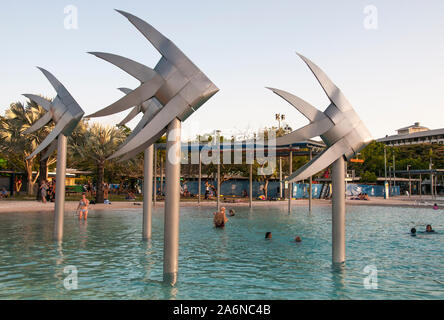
[34, 206]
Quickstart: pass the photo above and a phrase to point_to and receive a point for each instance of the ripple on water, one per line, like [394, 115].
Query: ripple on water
[234, 263]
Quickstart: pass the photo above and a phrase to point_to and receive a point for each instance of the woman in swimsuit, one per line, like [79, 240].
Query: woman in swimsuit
[220, 219]
[83, 207]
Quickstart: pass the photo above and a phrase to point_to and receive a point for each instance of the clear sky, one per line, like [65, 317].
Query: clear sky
[392, 75]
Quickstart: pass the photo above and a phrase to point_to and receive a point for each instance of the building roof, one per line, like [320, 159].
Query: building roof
[430, 136]
[416, 125]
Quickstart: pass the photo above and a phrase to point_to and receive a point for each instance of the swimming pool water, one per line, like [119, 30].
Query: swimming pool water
[235, 263]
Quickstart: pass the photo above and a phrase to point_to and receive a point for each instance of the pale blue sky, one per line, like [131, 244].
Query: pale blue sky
[392, 75]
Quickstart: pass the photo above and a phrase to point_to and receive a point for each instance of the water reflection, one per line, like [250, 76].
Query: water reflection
[114, 263]
[338, 275]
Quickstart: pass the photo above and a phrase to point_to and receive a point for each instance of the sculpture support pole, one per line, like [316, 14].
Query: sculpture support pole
[310, 186]
[199, 187]
[60, 187]
[280, 178]
[338, 211]
[218, 185]
[172, 201]
[155, 178]
[147, 192]
[250, 194]
[290, 185]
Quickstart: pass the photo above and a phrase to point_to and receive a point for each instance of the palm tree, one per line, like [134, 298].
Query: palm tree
[14, 143]
[94, 147]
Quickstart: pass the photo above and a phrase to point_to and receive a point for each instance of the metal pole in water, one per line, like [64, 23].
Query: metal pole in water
[250, 194]
[290, 185]
[338, 211]
[280, 177]
[60, 187]
[310, 186]
[199, 187]
[172, 201]
[147, 192]
[218, 185]
[155, 178]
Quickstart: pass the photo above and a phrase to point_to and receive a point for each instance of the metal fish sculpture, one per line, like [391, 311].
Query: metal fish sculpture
[339, 126]
[149, 109]
[63, 110]
[176, 83]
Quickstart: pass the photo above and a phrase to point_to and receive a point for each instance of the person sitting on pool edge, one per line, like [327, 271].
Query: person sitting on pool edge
[268, 235]
[220, 219]
[429, 228]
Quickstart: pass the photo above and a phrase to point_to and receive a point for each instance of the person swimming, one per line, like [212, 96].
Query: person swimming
[268, 235]
[429, 228]
[220, 219]
[232, 212]
[298, 239]
[435, 206]
[413, 231]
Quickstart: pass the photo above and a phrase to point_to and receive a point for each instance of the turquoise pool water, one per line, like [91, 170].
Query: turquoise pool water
[235, 263]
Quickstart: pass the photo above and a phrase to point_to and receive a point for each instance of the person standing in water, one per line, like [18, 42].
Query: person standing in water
[43, 190]
[83, 207]
[220, 219]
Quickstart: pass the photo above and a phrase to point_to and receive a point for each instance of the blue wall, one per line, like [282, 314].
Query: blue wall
[300, 190]
[371, 190]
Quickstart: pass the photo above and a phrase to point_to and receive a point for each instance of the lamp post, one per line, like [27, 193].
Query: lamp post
[394, 169]
[410, 182]
[279, 118]
[386, 189]
[390, 176]
[218, 169]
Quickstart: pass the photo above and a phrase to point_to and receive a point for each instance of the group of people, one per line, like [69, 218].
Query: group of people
[48, 190]
[4, 193]
[220, 219]
[361, 196]
[209, 190]
[429, 229]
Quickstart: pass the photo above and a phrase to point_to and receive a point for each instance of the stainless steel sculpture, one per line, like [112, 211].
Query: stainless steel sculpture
[149, 109]
[66, 114]
[175, 82]
[178, 88]
[344, 134]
